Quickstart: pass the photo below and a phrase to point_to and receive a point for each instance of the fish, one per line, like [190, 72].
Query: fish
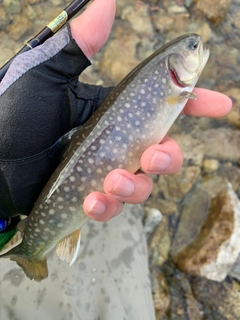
[137, 113]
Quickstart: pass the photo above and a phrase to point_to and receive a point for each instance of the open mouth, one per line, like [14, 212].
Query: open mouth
[175, 79]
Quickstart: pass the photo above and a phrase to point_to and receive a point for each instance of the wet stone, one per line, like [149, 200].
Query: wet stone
[214, 10]
[216, 247]
[174, 187]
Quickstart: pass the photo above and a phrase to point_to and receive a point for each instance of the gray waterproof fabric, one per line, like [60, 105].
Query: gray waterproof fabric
[109, 280]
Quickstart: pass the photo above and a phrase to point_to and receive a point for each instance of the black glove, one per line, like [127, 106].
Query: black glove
[40, 101]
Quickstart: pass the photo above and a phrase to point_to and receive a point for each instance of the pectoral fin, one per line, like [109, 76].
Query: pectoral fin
[188, 95]
[67, 249]
[172, 100]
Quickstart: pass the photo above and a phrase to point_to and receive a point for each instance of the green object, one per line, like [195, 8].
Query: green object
[10, 232]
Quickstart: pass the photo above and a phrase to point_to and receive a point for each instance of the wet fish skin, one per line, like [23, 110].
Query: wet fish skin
[136, 114]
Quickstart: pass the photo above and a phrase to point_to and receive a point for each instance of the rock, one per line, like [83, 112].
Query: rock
[213, 185]
[140, 21]
[216, 247]
[210, 165]
[183, 304]
[160, 292]
[233, 117]
[220, 301]
[6, 54]
[205, 32]
[115, 64]
[166, 207]
[13, 6]
[15, 31]
[163, 21]
[225, 141]
[230, 172]
[174, 187]
[3, 18]
[235, 270]
[192, 148]
[214, 10]
[193, 213]
[230, 27]
[159, 244]
[121, 6]
[176, 9]
[152, 219]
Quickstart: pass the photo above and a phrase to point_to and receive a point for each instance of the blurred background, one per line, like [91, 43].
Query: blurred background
[193, 251]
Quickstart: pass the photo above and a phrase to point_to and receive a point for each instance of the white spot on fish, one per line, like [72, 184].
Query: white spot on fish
[90, 160]
[66, 189]
[51, 211]
[101, 141]
[74, 199]
[60, 225]
[94, 183]
[99, 170]
[64, 216]
[72, 179]
[41, 221]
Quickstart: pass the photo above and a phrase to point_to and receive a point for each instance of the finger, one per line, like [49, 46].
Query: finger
[101, 207]
[164, 158]
[208, 104]
[92, 28]
[128, 187]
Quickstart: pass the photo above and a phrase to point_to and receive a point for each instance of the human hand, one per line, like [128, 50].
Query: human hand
[164, 158]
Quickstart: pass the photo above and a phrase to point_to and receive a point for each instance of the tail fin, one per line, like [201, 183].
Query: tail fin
[34, 269]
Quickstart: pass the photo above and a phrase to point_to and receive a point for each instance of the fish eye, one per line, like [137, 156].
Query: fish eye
[192, 43]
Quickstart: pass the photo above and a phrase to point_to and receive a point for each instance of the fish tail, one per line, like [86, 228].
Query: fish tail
[34, 268]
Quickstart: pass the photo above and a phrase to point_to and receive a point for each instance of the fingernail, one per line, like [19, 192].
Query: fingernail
[160, 162]
[124, 187]
[97, 208]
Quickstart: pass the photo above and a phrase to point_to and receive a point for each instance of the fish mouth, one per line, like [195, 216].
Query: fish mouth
[175, 79]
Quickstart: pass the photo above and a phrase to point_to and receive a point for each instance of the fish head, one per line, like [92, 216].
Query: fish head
[187, 62]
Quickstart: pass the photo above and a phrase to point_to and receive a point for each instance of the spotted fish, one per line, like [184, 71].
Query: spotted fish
[136, 114]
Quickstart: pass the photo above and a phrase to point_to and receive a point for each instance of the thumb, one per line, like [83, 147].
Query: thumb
[92, 28]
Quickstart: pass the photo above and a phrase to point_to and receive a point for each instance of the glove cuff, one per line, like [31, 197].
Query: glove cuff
[59, 48]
